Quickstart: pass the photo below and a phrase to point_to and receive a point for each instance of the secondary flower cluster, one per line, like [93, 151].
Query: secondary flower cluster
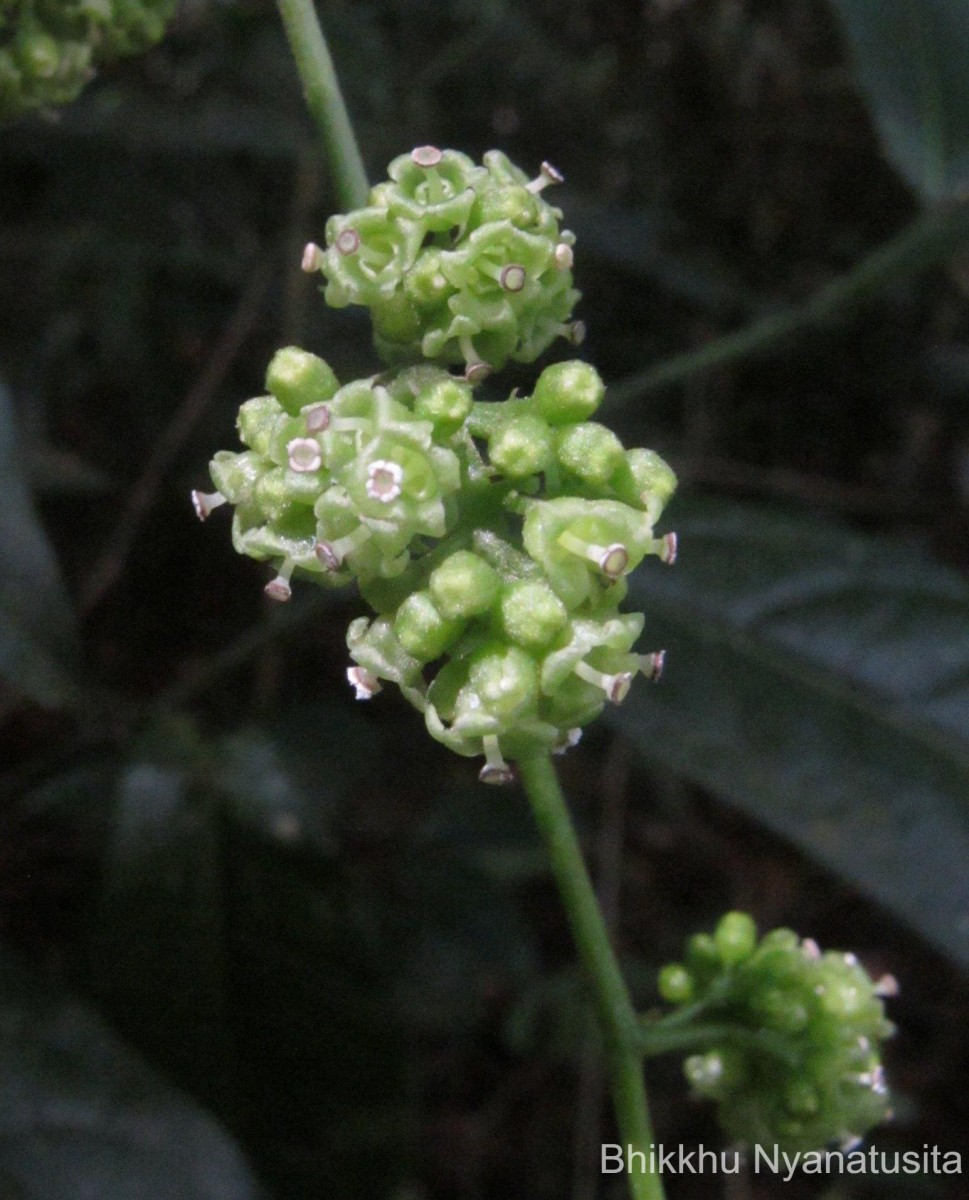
[49, 49]
[797, 1062]
[492, 539]
[459, 263]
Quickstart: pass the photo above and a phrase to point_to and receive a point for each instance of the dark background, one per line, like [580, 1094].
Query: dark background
[301, 911]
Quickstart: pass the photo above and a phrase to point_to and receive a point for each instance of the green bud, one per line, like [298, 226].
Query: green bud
[735, 937]
[531, 613]
[256, 423]
[521, 447]
[464, 585]
[298, 379]
[445, 403]
[567, 392]
[675, 984]
[591, 451]
[421, 628]
[505, 680]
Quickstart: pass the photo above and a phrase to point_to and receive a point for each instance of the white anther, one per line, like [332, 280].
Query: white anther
[616, 686]
[886, 986]
[614, 560]
[849, 959]
[652, 665]
[317, 418]
[384, 480]
[426, 156]
[810, 949]
[348, 242]
[278, 588]
[332, 554]
[364, 683]
[512, 277]
[547, 175]
[611, 560]
[668, 548]
[303, 454]
[850, 1141]
[312, 258]
[563, 256]
[495, 770]
[205, 502]
[570, 738]
[575, 333]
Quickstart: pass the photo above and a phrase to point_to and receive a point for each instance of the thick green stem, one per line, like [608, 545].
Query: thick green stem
[621, 1030]
[658, 1038]
[325, 101]
[927, 241]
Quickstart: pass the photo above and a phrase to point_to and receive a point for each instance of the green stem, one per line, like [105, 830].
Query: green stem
[617, 1018]
[920, 245]
[325, 101]
[655, 1039]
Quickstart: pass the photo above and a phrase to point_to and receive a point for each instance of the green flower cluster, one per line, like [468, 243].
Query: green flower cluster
[49, 49]
[797, 1062]
[491, 539]
[459, 263]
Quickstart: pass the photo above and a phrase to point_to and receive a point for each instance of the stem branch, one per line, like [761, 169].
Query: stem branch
[324, 99]
[617, 1018]
[922, 244]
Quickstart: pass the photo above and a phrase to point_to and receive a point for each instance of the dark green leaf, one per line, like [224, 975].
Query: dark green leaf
[820, 680]
[911, 58]
[36, 624]
[82, 1116]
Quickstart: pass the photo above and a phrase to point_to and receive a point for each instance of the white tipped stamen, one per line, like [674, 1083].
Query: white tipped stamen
[205, 503]
[887, 986]
[849, 959]
[652, 665]
[570, 738]
[348, 242]
[851, 1141]
[575, 333]
[563, 256]
[384, 480]
[317, 418]
[364, 683]
[547, 175]
[303, 455]
[611, 560]
[666, 548]
[864, 1045]
[426, 156]
[810, 949]
[512, 277]
[278, 588]
[616, 687]
[332, 554]
[475, 368]
[312, 258]
[495, 770]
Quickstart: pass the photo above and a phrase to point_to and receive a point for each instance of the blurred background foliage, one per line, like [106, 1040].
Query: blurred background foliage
[326, 962]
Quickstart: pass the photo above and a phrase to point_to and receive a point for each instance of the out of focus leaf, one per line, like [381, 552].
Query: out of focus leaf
[36, 623]
[820, 680]
[82, 1116]
[911, 58]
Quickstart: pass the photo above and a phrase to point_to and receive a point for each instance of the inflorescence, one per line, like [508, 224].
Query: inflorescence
[796, 1059]
[491, 539]
[49, 49]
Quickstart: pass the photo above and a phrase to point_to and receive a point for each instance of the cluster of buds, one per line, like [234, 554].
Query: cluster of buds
[459, 263]
[49, 49]
[798, 1063]
[491, 539]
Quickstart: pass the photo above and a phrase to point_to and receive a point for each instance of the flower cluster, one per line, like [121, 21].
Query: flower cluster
[49, 49]
[491, 539]
[797, 1060]
[459, 263]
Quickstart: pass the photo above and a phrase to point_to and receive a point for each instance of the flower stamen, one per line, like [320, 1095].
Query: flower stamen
[332, 554]
[384, 480]
[205, 503]
[547, 175]
[495, 770]
[611, 560]
[303, 455]
[278, 588]
[364, 682]
[616, 686]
